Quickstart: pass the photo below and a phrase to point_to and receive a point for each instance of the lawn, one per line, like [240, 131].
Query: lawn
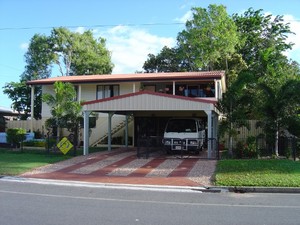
[16, 162]
[258, 172]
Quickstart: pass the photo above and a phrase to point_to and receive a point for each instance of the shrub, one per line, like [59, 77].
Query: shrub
[35, 143]
[15, 136]
[246, 149]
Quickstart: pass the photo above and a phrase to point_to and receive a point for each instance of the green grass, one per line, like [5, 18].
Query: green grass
[258, 172]
[16, 162]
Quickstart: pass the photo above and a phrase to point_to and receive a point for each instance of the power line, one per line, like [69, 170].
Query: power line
[107, 25]
[92, 26]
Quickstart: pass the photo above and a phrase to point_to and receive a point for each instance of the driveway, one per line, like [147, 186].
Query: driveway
[123, 167]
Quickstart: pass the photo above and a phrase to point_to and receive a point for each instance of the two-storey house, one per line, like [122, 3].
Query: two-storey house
[150, 99]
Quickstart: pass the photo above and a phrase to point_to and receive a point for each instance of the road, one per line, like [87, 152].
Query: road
[30, 203]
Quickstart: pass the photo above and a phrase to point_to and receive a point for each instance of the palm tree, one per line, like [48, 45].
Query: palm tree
[277, 107]
[65, 110]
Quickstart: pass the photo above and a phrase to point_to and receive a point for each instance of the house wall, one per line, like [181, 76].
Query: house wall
[88, 92]
[45, 108]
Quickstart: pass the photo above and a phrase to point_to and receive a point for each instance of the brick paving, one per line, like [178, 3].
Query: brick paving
[123, 167]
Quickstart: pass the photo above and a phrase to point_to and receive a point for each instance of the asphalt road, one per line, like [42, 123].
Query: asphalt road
[42, 204]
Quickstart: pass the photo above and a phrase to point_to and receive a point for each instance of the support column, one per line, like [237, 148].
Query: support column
[86, 115]
[32, 108]
[216, 89]
[79, 93]
[126, 131]
[215, 133]
[110, 115]
[174, 88]
[209, 133]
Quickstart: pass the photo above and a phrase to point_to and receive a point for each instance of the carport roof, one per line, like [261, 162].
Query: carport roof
[149, 101]
[132, 77]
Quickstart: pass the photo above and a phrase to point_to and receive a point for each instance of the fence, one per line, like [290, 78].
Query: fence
[253, 147]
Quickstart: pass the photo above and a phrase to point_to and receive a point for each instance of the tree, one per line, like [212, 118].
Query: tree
[65, 110]
[277, 100]
[79, 54]
[236, 107]
[259, 32]
[168, 60]
[263, 41]
[71, 52]
[210, 36]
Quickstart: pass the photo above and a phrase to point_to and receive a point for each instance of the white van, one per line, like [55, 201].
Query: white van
[187, 134]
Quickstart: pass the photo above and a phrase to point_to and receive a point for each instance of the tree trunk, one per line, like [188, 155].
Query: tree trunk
[277, 140]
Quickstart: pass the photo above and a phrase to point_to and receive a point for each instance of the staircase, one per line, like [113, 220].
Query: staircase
[115, 129]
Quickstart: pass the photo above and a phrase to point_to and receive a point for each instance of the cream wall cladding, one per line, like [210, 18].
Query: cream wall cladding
[88, 92]
[45, 108]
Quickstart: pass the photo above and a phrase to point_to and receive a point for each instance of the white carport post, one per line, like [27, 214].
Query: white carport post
[32, 108]
[215, 132]
[110, 115]
[86, 115]
[174, 88]
[209, 133]
[126, 131]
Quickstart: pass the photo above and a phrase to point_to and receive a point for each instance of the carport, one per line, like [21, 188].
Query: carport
[152, 103]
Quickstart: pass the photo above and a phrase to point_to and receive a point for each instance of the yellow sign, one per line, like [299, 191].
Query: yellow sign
[64, 145]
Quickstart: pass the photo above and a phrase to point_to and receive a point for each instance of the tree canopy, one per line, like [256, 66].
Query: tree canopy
[70, 52]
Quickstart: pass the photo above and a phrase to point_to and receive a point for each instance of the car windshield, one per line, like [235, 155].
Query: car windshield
[181, 125]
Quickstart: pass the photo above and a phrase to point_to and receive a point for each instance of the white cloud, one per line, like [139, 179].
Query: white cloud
[294, 38]
[80, 30]
[130, 47]
[294, 24]
[187, 16]
[24, 46]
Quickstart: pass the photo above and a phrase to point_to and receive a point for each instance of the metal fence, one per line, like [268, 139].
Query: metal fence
[254, 147]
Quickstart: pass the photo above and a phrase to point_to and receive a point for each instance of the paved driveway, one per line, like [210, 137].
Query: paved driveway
[122, 166]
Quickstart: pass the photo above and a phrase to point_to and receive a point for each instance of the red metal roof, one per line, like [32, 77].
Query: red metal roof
[132, 77]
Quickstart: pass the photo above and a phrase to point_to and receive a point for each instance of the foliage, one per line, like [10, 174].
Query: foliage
[63, 104]
[35, 143]
[236, 107]
[79, 54]
[15, 136]
[168, 60]
[259, 32]
[246, 149]
[73, 53]
[65, 110]
[210, 36]
[18, 92]
[282, 112]
[269, 173]
[207, 42]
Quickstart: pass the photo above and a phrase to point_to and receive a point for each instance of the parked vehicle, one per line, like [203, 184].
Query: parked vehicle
[184, 134]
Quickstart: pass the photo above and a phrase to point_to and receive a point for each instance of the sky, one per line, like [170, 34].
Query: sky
[132, 28]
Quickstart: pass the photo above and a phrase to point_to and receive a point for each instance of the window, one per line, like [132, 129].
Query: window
[106, 91]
